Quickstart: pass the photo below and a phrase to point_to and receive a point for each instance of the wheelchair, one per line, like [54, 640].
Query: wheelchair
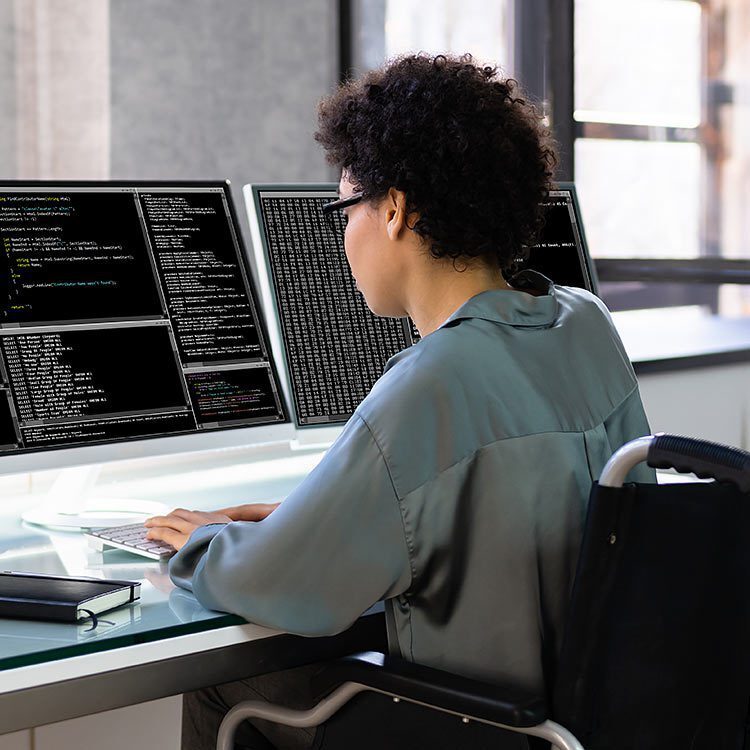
[656, 654]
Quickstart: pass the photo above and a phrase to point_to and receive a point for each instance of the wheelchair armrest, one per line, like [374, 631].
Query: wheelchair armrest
[434, 687]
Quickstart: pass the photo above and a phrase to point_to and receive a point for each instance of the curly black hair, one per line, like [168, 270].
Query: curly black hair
[467, 148]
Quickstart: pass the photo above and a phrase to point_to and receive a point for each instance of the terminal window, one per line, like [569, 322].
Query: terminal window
[560, 254]
[125, 312]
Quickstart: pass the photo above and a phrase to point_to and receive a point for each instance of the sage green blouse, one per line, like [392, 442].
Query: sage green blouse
[456, 492]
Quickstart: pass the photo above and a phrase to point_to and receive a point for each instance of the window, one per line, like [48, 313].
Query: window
[661, 161]
[393, 27]
[639, 159]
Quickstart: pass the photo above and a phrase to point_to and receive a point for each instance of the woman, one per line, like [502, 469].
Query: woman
[458, 488]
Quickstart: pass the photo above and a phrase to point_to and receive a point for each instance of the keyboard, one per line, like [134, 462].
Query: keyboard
[131, 538]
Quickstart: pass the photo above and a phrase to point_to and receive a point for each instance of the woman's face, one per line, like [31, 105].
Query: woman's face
[374, 262]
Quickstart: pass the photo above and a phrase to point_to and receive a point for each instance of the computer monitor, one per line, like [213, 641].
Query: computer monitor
[562, 253]
[129, 326]
[332, 347]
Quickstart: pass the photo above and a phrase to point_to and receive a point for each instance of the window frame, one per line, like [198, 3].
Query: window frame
[660, 282]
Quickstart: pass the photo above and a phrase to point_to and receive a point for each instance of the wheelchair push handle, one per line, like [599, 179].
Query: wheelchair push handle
[686, 455]
[704, 459]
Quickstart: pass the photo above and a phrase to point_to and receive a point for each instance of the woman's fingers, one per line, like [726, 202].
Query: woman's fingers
[177, 518]
[171, 521]
[163, 534]
[176, 527]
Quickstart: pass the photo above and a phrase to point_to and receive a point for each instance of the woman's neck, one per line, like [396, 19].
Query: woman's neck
[434, 296]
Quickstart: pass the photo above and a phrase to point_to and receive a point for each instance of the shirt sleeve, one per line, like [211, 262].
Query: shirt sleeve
[332, 549]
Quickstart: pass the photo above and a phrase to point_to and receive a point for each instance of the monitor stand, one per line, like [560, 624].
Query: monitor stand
[71, 504]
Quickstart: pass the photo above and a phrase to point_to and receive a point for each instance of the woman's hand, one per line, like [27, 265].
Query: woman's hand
[176, 527]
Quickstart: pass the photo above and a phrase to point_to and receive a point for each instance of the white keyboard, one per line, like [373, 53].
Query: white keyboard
[131, 538]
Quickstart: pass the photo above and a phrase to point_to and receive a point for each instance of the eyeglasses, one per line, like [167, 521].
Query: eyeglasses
[334, 220]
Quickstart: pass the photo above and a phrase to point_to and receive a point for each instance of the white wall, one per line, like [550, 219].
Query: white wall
[710, 402]
[148, 725]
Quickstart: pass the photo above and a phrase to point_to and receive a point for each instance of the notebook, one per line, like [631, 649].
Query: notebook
[35, 596]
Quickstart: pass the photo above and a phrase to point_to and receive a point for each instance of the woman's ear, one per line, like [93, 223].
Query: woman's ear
[394, 205]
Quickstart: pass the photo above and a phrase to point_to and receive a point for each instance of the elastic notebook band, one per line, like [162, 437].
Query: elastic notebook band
[94, 620]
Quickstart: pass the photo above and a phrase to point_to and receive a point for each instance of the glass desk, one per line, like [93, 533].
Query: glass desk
[166, 643]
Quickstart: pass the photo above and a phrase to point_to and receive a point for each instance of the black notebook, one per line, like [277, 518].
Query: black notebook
[35, 596]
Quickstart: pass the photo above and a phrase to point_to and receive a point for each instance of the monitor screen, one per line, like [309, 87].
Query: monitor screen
[334, 348]
[561, 253]
[126, 312]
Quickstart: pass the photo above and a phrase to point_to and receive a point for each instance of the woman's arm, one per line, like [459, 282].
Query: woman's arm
[333, 548]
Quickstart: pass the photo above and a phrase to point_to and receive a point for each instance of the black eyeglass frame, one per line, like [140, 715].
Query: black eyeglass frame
[341, 203]
[329, 211]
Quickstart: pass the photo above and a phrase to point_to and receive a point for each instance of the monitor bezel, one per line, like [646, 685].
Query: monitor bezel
[59, 457]
[590, 266]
